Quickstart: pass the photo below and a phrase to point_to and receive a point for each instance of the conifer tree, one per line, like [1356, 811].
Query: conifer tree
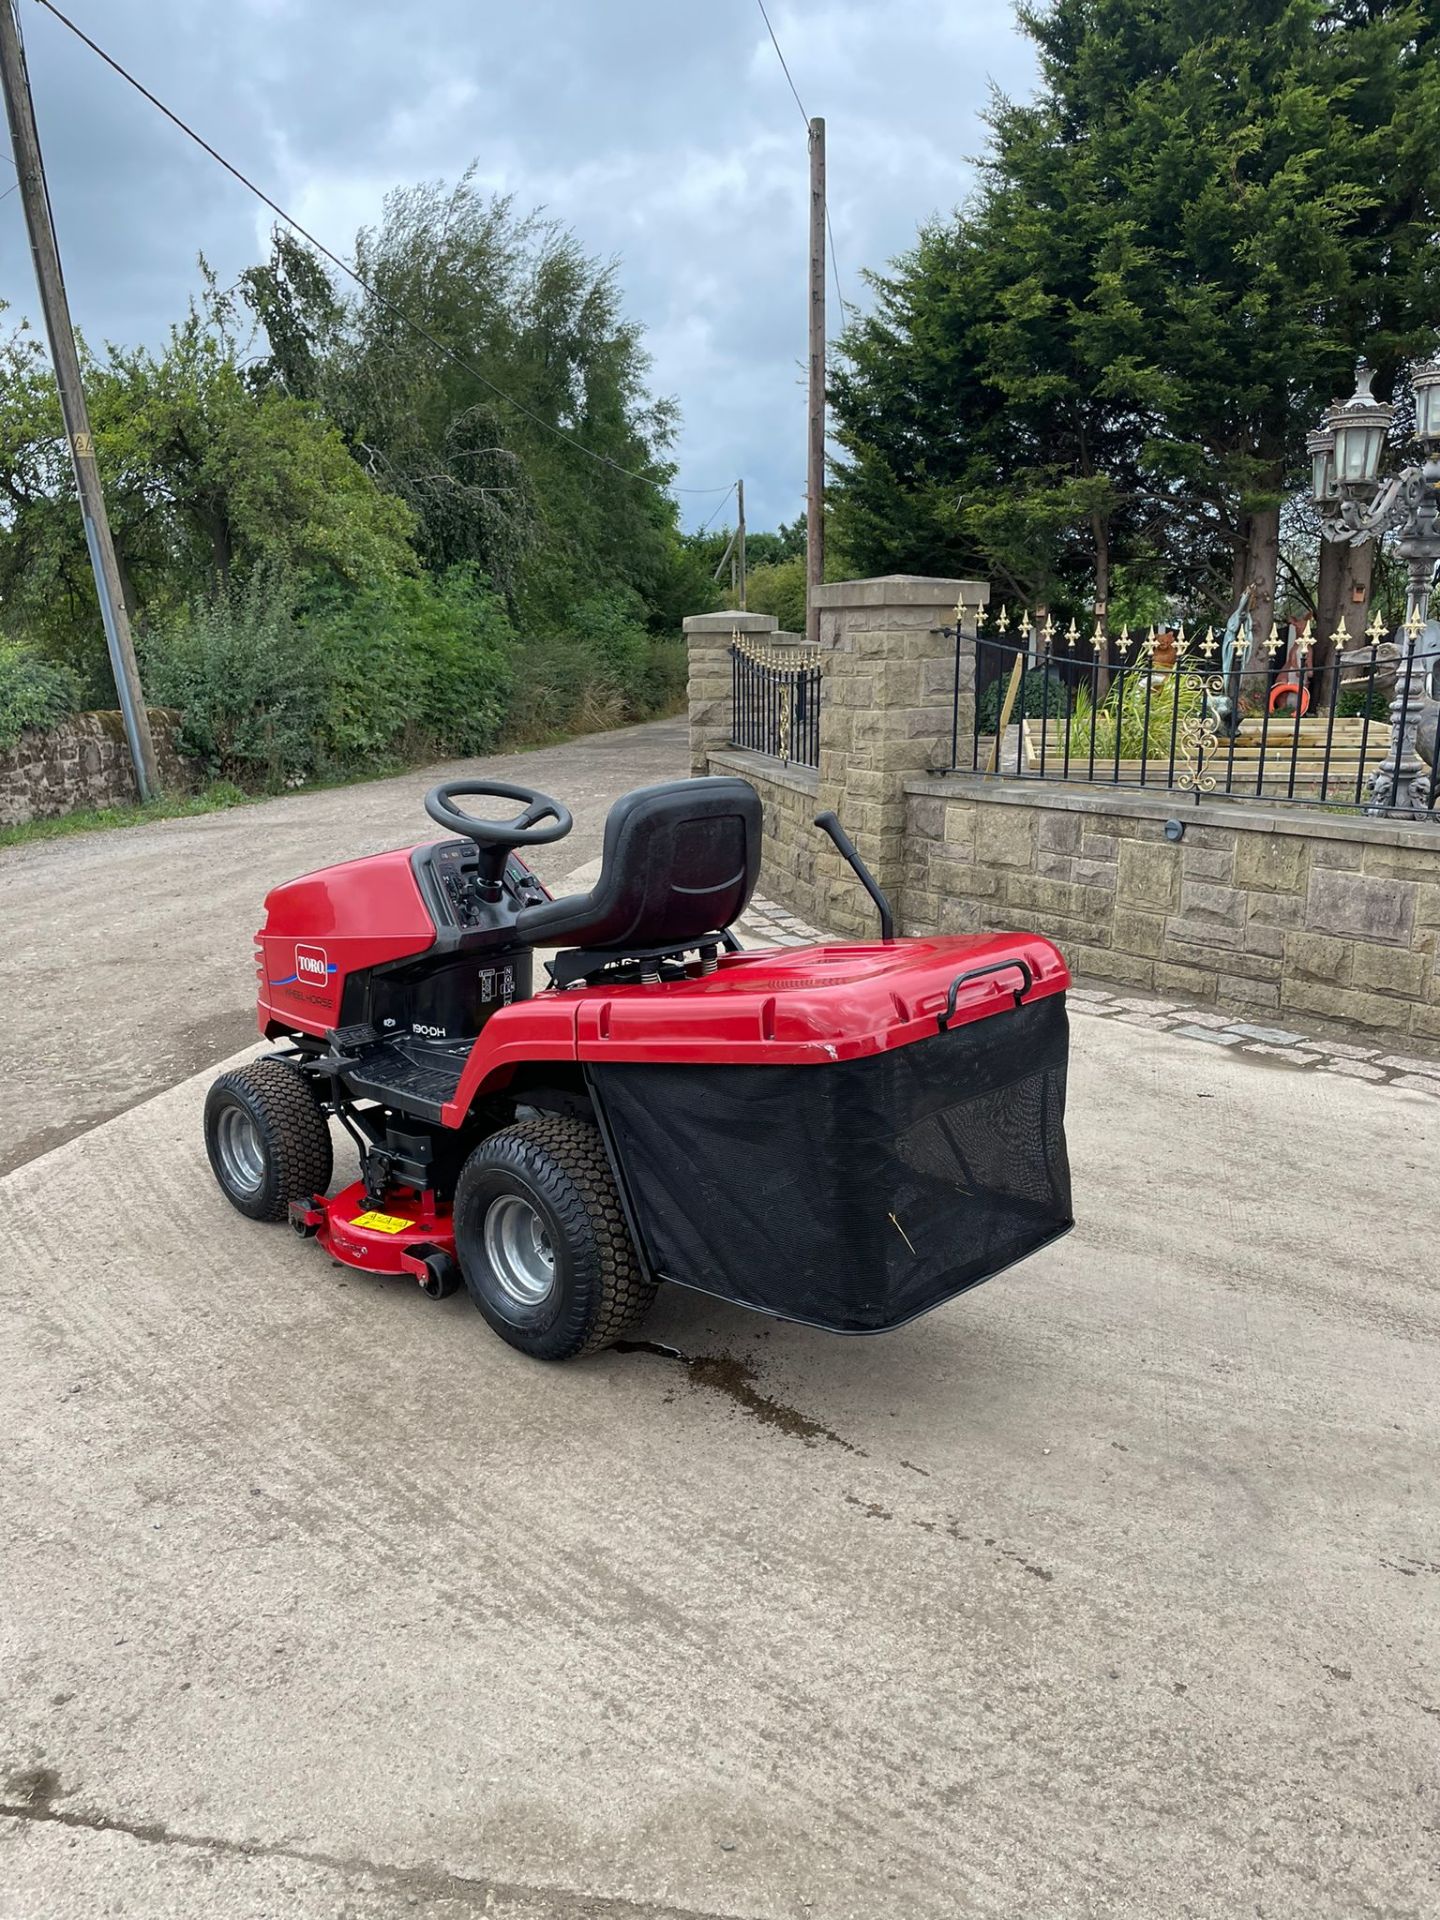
[1175, 253]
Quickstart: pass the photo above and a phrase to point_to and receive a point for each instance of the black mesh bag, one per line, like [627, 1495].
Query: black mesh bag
[855, 1195]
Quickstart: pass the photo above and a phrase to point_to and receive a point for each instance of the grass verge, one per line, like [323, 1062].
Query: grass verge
[222, 794]
[211, 799]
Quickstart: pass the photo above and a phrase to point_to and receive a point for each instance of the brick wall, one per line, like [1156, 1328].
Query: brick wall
[84, 763]
[1294, 910]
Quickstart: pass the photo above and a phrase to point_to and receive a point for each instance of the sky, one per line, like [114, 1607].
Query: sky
[663, 132]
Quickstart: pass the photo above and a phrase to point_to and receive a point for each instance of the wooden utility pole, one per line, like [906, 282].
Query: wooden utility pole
[740, 540]
[35, 199]
[815, 466]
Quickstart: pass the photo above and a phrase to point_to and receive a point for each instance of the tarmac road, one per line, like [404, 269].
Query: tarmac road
[126, 959]
[1113, 1588]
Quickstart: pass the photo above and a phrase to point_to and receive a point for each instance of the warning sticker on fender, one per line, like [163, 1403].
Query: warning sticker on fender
[382, 1222]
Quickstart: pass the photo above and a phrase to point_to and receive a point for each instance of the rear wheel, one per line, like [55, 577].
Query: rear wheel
[267, 1138]
[542, 1240]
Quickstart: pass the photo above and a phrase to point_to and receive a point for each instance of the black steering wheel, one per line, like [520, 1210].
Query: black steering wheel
[523, 831]
[495, 838]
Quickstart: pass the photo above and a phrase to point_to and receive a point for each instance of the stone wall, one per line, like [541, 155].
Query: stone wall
[84, 762]
[1286, 911]
[886, 704]
[710, 686]
[793, 844]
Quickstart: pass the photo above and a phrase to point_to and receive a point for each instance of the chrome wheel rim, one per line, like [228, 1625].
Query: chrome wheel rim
[241, 1153]
[519, 1250]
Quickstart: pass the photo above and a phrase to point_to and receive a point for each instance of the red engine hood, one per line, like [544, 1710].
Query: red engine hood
[326, 925]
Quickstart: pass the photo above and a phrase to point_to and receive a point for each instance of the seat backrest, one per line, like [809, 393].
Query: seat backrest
[679, 860]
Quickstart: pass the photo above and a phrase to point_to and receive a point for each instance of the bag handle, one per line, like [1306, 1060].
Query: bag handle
[977, 973]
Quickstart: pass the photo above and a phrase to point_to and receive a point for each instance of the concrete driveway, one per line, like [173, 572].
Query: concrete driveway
[126, 960]
[1111, 1588]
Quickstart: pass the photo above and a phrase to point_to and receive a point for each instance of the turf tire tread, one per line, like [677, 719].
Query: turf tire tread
[299, 1135]
[588, 1203]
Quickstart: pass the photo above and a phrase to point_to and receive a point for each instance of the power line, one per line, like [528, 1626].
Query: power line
[781, 58]
[728, 491]
[835, 269]
[779, 55]
[335, 259]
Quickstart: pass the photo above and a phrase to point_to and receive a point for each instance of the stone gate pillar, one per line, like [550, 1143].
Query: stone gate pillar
[886, 711]
[707, 640]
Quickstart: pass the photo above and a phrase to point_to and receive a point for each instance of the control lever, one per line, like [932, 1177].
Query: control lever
[830, 823]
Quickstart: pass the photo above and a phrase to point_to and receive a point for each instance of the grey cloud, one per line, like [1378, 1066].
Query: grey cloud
[662, 131]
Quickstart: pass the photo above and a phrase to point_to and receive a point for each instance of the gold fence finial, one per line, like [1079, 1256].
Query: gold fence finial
[1072, 634]
[1340, 638]
[1375, 632]
[1272, 645]
[1002, 620]
[1414, 626]
[786, 660]
[1207, 645]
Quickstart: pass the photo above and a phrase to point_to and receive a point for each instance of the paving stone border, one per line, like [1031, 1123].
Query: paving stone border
[766, 924]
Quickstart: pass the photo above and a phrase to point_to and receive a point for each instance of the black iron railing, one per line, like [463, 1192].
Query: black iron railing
[775, 702]
[1280, 729]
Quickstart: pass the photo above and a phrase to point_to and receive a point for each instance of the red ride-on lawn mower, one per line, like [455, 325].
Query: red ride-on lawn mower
[845, 1135]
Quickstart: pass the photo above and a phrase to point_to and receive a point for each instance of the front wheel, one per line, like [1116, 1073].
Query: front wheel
[267, 1138]
[542, 1240]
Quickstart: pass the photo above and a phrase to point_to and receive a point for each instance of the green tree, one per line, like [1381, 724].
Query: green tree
[46, 591]
[1110, 357]
[350, 547]
[205, 480]
[1270, 215]
[978, 440]
[705, 551]
[780, 589]
[556, 496]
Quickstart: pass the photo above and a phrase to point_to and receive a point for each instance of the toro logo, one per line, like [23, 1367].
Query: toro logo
[312, 968]
[312, 965]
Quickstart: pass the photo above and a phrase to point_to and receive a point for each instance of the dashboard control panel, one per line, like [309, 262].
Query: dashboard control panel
[455, 865]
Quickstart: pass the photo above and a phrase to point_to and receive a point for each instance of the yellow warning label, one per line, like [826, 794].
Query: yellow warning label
[382, 1222]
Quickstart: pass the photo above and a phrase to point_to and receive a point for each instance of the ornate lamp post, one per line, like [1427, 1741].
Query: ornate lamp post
[1356, 505]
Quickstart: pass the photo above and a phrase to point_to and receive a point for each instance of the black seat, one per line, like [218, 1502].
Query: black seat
[679, 861]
